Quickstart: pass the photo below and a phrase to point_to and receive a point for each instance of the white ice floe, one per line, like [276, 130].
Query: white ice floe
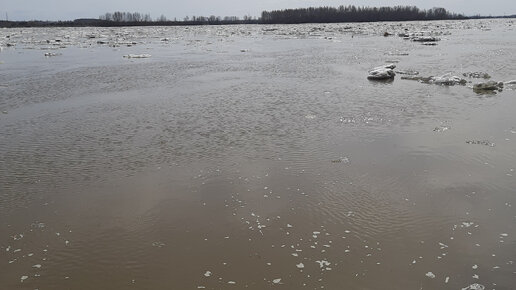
[23, 278]
[207, 274]
[430, 275]
[448, 80]
[382, 72]
[475, 286]
[37, 266]
[276, 281]
[300, 266]
[232, 282]
[323, 263]
[467, 224]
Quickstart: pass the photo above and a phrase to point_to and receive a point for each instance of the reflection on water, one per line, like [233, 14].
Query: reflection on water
[256, 156]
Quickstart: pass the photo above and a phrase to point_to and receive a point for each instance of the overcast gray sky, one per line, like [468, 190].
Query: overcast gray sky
[72, 9]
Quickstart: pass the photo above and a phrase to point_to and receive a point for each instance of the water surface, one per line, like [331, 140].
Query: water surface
[256, 157]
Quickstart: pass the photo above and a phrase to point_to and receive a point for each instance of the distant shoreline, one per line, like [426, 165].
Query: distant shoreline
[341, 14]
[79, 23]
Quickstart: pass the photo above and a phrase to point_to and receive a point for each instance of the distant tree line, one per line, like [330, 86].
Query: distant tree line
[129, 19]
[289, 16]
[355, 14]
[126, 17]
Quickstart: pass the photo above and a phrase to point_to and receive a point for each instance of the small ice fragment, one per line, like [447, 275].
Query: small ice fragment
[447, 280]
[30, 254]
[232, 282]
[137, 56]
[37, 266]
[23, 278]
[430, 275]
[475, 267]
[201, 287]
[504, 235]
[207, 274]
[67, 242]
[323, 263]
[475, 276]
[17, 250]
[475, 286]
[295, 254]
[289, 225]
[158, 244]
[300, 266]
[276, 281]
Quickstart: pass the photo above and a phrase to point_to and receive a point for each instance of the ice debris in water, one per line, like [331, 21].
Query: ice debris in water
[448, 80]
[207, 274]
[430, 275]
[323, 263]
[383, 72]
[475, 286]
[425, 39]
[477, 75]
[18, 237]
[407, 72]
[158, 244]
[300, 266]
[488, 86]
[49, 54]
[38, 225]
[480, 142]
[444, 80]
[276, 281]
[23, 278]
[137, 55]
[232, 282]
[441, 128]
[37, 266]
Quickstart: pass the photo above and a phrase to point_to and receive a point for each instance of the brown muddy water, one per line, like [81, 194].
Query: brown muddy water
[257, 157]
